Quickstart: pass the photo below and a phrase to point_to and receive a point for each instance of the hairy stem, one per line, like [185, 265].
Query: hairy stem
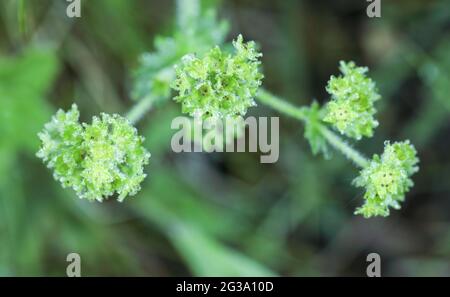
[344, 147]
[282, 106]
[300, 113]
[163, 78]
[140, 109]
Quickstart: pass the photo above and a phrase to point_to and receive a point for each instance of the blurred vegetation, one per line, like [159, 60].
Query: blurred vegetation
[224, 214]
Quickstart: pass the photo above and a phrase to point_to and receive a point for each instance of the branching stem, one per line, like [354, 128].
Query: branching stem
[300, 113]
[282, 106]
[342, 146]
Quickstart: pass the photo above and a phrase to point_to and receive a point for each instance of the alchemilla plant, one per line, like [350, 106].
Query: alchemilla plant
[351, 109]
[97, 160]
[106, 157]
[219, 84]
[387, 178]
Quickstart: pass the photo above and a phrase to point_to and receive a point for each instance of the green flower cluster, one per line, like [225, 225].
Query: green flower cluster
[96, 160]
[387, 179]
[155, 73]
[219, 84]
[351, 110]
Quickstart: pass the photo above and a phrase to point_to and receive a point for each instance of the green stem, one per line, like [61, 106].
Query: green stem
[344, 147]
[186, 11]
[164, 76]
[300, 113]
[140, 109]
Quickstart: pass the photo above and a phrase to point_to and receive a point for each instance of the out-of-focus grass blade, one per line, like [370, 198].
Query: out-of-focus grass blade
[24, 82]
[207, 257]
[21, 17]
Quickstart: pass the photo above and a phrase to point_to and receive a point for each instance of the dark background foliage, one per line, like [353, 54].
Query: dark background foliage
[225, 214]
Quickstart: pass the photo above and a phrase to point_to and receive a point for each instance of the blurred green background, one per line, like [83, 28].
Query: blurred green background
[225, 213]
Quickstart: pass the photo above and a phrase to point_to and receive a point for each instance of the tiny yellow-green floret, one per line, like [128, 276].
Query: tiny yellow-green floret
[387, 179]
[351, 108]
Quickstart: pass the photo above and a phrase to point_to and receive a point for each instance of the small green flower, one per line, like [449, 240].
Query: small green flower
[96, 160]
[351, 110]
[219, 84]
[387, 179]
